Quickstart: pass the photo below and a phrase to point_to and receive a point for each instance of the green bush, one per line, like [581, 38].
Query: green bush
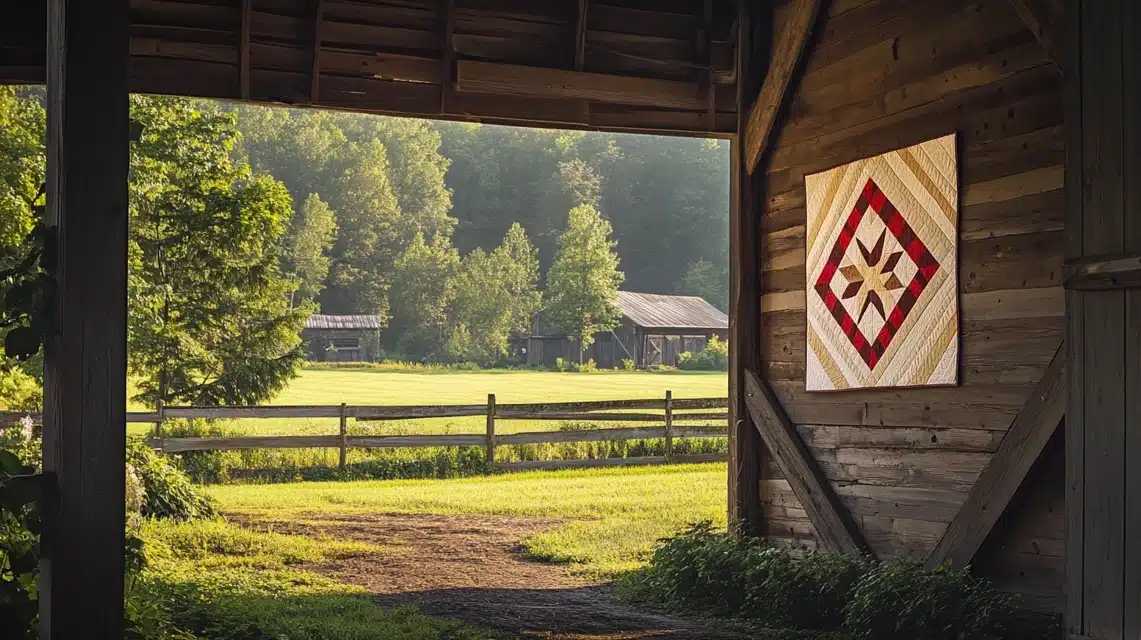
[167, 490]
[713, 357]
[19, 391]
[628, 364]
[902, 600]
[712, 573]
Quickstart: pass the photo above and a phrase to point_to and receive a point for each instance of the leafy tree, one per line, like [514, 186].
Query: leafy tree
[423, 287]
[22, 165]
[496, 294]
[309, 243]
[582, 283]
[210, 319]
[707, 281]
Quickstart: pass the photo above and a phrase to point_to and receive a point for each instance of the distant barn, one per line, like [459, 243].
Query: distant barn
[341, 338]
[655, 330]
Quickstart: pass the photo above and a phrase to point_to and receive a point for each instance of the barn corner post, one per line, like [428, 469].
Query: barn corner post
[1103, 329]
[745, 449]
[84, 439]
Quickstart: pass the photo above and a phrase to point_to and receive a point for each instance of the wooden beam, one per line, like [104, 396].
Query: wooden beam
[580, 35]
[85, 364]
[705, 40]
[1044, 27]
[1024, 442]
[315, 70]
[783, 64]
[448, 56]
[1099, 273]
[244, 49]
[542, 82]
[835, 528]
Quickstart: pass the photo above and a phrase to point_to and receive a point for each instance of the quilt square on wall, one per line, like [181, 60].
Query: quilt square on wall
[882, 248]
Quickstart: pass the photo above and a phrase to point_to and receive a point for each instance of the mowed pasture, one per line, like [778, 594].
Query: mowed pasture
[365, 386]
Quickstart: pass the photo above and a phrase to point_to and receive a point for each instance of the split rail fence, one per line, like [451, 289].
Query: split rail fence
[666, 425]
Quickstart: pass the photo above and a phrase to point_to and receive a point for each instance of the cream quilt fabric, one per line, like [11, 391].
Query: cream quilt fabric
[882, 243]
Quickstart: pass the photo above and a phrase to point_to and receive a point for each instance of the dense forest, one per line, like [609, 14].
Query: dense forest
[245, 219]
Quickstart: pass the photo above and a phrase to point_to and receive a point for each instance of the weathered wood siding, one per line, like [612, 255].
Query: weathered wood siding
[881, 75]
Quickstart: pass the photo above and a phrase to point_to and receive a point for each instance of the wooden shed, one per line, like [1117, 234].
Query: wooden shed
[655, 330]
[1043, 99]
[341, 338]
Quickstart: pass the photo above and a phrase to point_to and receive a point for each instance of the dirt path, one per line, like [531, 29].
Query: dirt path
[471, 568]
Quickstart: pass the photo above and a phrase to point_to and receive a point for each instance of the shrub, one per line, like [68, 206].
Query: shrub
[167, 490]
[628, 364]
[19, 391]
[902, 600]
[713, 357]
[709, 572]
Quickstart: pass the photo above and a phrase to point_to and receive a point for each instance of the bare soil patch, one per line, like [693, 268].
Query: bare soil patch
[472, 568]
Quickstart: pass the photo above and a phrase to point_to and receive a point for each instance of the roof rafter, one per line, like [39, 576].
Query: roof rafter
[1044, 27]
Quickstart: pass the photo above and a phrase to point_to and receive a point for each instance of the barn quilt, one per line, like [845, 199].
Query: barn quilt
[882, 246]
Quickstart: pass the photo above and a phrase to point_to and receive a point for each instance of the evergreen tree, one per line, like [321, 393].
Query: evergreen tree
[423, 288]
[308, 246]
[210, 321]
[583, 281]
[707, 281]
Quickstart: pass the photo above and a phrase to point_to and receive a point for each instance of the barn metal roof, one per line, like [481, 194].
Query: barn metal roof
[318, 321]
[670, 312]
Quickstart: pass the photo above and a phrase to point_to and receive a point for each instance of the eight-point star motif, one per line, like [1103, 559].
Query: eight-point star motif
[871, 278]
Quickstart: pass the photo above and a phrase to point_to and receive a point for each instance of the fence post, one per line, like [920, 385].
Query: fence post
[491, 431]
[669, 426]
[160, 409]
[344, 435]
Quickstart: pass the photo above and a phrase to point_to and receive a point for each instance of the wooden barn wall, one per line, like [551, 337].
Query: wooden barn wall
[880, 75]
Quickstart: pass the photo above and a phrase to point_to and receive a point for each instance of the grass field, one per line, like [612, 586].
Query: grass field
[614, 516]
[380, 387]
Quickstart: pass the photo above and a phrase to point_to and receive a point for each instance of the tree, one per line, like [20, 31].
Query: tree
[210, 320]
[423, 287]
[583, 281]
[309, 243]
[707, 281]
[22, 165]
[496, 294]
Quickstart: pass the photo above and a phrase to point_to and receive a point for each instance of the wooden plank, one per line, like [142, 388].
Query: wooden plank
[515, 414]
[81, 583]
[243, 49]
[783, 63]
[1044, 28]
[1098, 273]
[669, 426]
[834, 525]
[582, 435]
[593, 405]
[575, 464]
[413, 412]
[700, 403]
[1020, 449]
[911, 438]
[490, 424]
[701, 432]
[538, 82]
[344, 433]
[688, 417]
[448, 71]
[212, 413]
[178, 445]
[580, 35]
[315, 69]
[397, 442]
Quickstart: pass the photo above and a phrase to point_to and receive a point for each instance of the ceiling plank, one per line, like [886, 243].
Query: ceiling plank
[835, 528]
[315, 70]
[244, 49]
[580, 36]
[541, 82]
[787, 51]
[1024, 442]
[448, 56]
[1045, 28]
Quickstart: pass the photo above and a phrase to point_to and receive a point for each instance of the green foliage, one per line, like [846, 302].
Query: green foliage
[210, 320]
[709, 572]
[19, 547]
[714, 356]
[423, 288]
[901, 600]
[22, 165]
[706, 281]
[167, 490]
[628, 364]
[582, 283]
[19, 391]
[308, 244]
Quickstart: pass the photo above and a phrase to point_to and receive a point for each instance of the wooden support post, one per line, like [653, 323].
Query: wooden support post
[834, 525]
[344, 436]
[315, 70]
[669, 426]
[244, 49]
[745, 449]
[85, 372]
[160, 409]
[490, 431]
[1024, 442]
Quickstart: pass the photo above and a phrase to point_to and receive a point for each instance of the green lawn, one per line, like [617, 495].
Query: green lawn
[379, 387]
[614, 516]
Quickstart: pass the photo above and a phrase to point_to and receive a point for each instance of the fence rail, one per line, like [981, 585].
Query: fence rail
[601, 411]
